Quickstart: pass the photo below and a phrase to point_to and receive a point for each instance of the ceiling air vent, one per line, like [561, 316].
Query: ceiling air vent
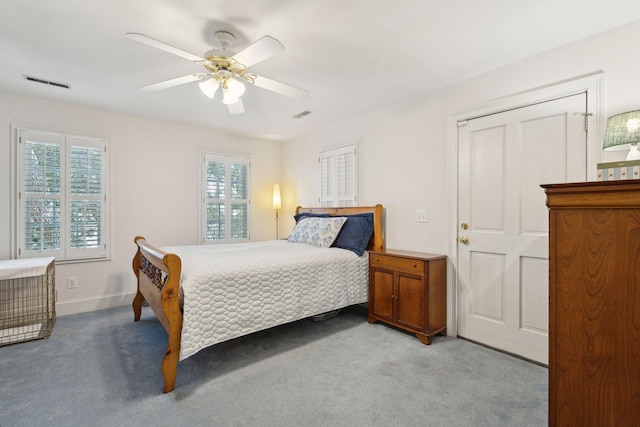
[46, 82]
[301, 115]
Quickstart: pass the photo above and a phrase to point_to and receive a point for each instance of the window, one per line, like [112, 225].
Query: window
[61, 195]
[338, 176]
[225, 210]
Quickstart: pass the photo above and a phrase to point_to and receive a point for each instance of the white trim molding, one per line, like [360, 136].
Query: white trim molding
[94, 304]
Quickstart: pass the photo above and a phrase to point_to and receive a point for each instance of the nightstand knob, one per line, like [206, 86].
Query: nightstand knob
[377, 259]
[415, 265]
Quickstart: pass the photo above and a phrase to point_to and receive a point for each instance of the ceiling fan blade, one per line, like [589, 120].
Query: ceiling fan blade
[237, 108]
[258, 51]
[281, 88]
[173, 82]
[149, 41]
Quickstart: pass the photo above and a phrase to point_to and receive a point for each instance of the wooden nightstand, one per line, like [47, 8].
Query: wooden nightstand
[409, 290]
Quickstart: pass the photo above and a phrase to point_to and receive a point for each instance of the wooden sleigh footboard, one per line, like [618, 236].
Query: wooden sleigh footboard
[158, 274]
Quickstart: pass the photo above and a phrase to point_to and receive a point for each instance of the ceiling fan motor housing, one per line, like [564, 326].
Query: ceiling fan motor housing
[225, 39]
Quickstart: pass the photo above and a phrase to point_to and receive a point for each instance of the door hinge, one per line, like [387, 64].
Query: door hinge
[586, 120]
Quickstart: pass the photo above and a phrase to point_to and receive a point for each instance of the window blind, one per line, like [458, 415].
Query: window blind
[61, 195]
[226, 198]
[41, 196]
[338, 176]
[85, 176]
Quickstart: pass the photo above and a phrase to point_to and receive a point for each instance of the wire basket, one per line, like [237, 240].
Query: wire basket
[27, 299]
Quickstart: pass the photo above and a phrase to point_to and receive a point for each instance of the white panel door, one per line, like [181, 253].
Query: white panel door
[503, 245]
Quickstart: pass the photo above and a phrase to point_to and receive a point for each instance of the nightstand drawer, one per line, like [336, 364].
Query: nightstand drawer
[397, 263]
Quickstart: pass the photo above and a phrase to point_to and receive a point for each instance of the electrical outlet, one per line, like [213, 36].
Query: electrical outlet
[72, 282]
[421, 215]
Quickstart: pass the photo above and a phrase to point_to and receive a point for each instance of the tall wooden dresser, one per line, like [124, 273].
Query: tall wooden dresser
[594, 297]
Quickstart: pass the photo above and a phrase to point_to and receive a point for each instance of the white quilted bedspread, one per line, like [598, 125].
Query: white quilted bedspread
[234, 290]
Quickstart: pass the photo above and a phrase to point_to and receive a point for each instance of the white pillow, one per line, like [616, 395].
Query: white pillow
[316, 231]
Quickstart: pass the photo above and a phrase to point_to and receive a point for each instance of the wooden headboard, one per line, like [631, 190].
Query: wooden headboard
[377, 240]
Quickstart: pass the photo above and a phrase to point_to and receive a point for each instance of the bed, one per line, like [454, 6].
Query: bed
[206, 294]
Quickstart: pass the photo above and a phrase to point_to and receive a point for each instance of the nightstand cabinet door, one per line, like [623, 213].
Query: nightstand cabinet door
[381, 292]
[411, 293]
[408, 290]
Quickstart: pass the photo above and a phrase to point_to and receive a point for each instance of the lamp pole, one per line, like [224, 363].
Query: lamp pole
[277, 204]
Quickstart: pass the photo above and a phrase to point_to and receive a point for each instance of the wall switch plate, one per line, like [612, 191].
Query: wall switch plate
[421, 215]
[72, 282]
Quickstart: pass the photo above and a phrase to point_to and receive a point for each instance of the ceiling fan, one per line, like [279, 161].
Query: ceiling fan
[225, 72]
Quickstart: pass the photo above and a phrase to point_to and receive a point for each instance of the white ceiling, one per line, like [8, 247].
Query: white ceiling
[352, 55]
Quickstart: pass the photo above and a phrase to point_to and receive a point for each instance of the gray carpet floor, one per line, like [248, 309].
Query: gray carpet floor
[102, 369]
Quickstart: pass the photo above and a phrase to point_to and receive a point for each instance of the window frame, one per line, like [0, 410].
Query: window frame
[228, 160]
[334, 199]
[66, 253]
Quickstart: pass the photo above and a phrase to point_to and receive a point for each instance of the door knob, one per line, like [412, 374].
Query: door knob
[464, 239]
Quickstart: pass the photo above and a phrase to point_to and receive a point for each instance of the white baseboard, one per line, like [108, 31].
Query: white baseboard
[93, 304]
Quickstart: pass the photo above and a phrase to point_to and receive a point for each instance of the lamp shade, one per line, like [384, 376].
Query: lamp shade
[236, 88]
[277, 203]
[209, 87]
[622, 130]
[227, 97]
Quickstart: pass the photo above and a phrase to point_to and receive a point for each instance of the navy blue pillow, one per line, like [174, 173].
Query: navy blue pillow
[305, 214]
[355, 233]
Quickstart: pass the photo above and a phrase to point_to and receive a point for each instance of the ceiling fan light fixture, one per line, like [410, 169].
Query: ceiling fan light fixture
[228, 98]
[224, 71]
[209, 87]
[236, 88]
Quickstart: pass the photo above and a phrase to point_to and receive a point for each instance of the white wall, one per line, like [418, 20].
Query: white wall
[403, 153]
[154, 189]
[404, 146]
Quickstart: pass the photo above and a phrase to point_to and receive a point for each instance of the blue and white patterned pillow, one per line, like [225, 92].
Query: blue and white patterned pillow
[316, 231]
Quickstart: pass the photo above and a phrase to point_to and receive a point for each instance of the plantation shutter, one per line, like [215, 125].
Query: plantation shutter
[86, 196]
[345, 176]
[215, 200]
[338, 176]
[226, 199]
[239, 200]
[327, 178]
[61, 195]
[41, 194]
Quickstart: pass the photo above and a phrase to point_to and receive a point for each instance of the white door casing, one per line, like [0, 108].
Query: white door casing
[503, 267]
[592, 84]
